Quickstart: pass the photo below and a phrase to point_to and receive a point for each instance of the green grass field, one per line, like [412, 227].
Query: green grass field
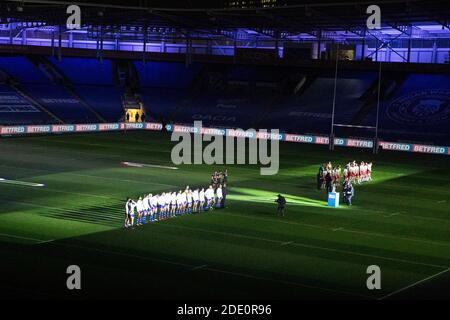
[400, 222]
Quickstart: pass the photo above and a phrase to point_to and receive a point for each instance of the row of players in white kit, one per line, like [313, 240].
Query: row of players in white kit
[152, 208]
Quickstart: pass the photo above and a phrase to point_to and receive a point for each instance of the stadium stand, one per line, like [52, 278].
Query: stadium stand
[163, 86]
[422, 101]
[58, 101]
[106, 100]
[85, 71]
[309, 111]
[166, 74]
[92, 82]
[294, 101]
[22, 70]
[217, 95]
[16, 109]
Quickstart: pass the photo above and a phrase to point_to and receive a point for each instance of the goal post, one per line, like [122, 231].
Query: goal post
[333, 113]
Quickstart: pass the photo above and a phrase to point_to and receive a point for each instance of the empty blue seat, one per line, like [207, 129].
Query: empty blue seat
[15, 109]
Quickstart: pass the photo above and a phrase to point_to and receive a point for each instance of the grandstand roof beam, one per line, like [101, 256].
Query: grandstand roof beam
[385, 44]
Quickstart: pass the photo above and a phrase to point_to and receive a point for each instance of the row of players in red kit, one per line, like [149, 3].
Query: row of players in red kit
[329, 177]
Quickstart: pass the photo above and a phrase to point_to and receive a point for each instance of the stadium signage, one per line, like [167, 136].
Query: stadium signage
[298, 138]
[429, 149]
[153, 126]
[238, 133]
[108, 126]
[132, 125]
[359, 143]
[269, 136]
[63, 128]
[214, 131]
[86, 127]
[59, 101]
[395, 146]
[39, 129]
[13, 130]
[339, 142]
[322, 140]
[178, 128]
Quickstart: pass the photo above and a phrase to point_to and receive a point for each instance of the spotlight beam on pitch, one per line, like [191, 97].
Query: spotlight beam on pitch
[263, 196]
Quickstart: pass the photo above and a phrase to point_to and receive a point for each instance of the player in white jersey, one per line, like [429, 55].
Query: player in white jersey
[162, 206]
[179, 203]
[168, 199]
[146, 206]
[154, 206]
[183, 202]
[209, 195]
[129, 213]
[189, 201]
[173, 203]
[150, 216]
[127, 209]
[369, 171]
[195, 199]
[201, 199]
[150, 206]
[219, 196]
[167, 205]
[140, 211]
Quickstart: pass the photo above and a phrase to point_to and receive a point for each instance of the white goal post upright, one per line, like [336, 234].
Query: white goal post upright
[333, 124]
[331, 140]
[375, 142]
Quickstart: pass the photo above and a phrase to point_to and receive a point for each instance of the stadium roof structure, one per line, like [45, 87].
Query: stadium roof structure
[214, 18]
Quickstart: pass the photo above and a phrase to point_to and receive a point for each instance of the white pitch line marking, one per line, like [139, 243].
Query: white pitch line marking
[394, 214]
[22, 183]
[93, 176]
[286, 243]
[442, 201]
[199, 267]
[45, 241]
[142, 165]
[415, 284]
[338, 229]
